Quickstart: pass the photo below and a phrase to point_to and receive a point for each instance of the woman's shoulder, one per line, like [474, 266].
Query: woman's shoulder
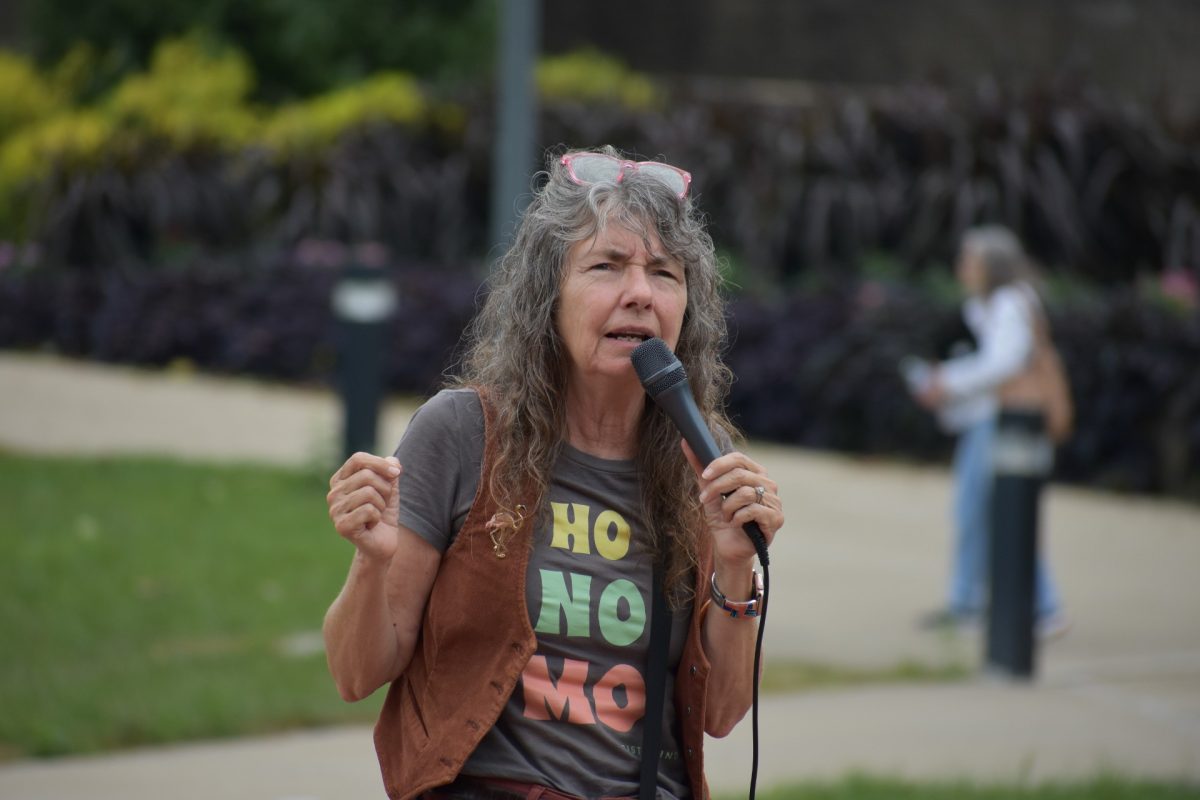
[456, 396]
[457, 407]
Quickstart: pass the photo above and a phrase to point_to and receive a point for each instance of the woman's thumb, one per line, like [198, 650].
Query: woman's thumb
[393, 497]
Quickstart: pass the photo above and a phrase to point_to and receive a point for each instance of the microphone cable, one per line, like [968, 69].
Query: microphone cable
[764, 561]
[664, 378]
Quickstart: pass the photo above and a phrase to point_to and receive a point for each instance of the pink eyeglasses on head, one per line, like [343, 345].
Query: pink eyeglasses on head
[588, 168]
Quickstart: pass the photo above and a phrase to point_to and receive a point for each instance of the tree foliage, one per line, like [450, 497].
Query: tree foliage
[298, 47]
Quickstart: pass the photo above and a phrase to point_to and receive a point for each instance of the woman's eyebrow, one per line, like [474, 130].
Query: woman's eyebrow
[617, 254]
[612, 254]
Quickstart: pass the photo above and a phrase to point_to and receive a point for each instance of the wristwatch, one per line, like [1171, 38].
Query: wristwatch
[739, 608]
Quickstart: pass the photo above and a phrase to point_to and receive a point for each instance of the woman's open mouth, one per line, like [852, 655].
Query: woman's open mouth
[628, 336]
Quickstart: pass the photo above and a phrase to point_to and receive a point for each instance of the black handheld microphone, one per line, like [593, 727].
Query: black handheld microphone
[663, 377]
[665, 380]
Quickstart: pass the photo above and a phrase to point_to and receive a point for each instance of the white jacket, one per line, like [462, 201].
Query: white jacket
[1003, 327]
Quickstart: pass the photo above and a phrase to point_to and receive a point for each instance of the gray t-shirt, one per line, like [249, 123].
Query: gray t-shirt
[574, 721]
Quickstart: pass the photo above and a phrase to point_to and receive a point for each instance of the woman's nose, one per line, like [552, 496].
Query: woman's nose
[638, 290]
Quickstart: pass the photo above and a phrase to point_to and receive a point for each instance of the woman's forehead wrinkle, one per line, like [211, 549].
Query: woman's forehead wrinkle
[617, 253]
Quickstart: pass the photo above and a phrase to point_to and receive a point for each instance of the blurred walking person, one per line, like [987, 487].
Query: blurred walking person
[1003, 311]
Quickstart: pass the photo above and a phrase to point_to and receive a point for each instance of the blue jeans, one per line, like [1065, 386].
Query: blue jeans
[972, 516]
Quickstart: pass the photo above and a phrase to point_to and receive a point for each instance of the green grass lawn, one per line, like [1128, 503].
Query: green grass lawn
[863, 788]
[785, 675]
[149, 601]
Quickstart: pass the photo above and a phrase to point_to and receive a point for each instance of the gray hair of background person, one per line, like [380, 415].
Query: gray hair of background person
[1002, 254]
[513, 348]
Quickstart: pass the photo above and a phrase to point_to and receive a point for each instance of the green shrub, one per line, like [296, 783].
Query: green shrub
[194, 94]
[298, 47]
[189, 114]
[315, 124]
[70, 139]
[26, 96]
[590, 76]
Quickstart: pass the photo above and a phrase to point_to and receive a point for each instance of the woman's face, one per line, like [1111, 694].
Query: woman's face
[972, 273]
[618, 291]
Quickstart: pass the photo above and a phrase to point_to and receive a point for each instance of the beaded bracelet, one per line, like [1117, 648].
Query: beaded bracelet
[739, 608]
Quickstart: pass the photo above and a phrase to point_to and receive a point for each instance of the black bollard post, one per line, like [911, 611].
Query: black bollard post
[1022, 457]
[363, 302]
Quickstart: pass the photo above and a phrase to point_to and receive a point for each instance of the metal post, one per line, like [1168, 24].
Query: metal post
[1022, 457]
[513, 157]
[363, 302]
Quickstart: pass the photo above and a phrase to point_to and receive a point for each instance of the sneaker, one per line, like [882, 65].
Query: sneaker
[947, 619]
[1052, 626]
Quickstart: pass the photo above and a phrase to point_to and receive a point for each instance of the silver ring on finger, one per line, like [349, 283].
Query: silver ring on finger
[759, 491]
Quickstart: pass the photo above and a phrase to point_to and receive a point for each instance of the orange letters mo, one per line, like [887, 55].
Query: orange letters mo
[566, 700]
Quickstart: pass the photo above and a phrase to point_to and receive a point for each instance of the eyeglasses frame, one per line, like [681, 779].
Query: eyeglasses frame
[624, 166]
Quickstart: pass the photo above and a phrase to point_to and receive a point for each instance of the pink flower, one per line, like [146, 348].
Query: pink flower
[1179, 284]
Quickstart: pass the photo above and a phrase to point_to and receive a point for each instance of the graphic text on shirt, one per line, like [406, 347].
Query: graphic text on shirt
[618, 697]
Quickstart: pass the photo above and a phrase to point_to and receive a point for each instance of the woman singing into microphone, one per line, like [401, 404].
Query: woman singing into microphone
[505, 556]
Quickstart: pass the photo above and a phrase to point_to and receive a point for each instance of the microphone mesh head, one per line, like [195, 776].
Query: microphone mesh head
[656, 366]
[668, 379]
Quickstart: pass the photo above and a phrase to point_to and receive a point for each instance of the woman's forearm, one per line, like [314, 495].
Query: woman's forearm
[360, 639]
[371, 630]
[729, 645]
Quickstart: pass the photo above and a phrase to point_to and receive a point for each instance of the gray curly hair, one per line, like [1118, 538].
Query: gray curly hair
[514, 351]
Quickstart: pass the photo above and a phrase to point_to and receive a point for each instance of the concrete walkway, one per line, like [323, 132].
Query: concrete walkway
[864, 554]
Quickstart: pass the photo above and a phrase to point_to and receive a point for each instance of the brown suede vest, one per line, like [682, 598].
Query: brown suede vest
[475, 641]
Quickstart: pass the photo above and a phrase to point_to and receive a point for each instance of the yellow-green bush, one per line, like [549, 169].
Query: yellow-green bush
[26, 96]
[73, 140]
[590, 76]
[193, 95]
[316, 123]
[75, 70]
